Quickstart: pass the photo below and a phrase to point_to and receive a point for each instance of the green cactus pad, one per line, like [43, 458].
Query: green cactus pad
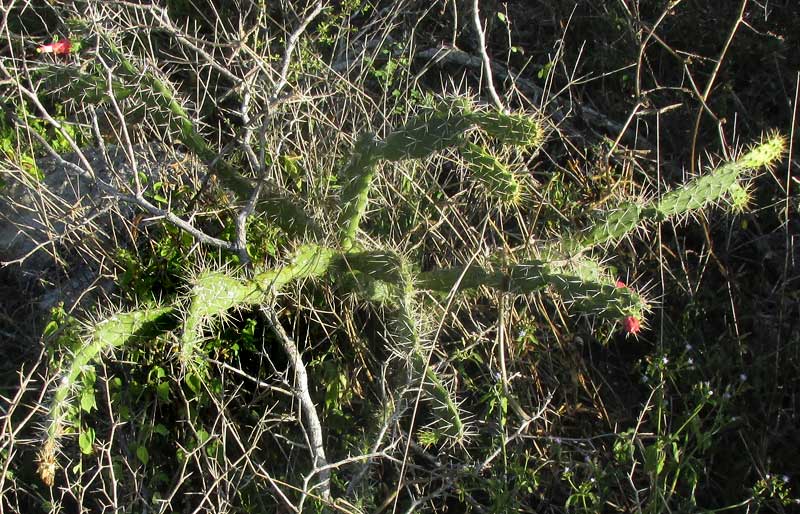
[613, 226]
[214, 293]
[357, 178]
[405, 332]
[601, 298]
[513, 129]
[116, 331]
[498, 180]
[428, 132]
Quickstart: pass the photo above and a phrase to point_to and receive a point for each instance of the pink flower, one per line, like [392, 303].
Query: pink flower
[620, 284]
[60, 47]
[631, 325]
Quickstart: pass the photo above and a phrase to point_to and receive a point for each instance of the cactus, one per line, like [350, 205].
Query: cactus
[357, 177]
[597, 295]
[513, 129]
[498, 180]
[404, 326]
[309, 261]
[215, 293]
[383, 276]
[379, 265]
[432, 131]
[116, 331]
[615, 225]
[723, 184]
[444, 126]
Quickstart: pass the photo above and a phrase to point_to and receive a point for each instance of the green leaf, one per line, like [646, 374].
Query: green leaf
[88, 401]
[143, 455]
[654, 459]
[202, 436]
[163, 391]
[50, 329]
[161, 430]
[86, 440]
[193, 381]
[501, 17]
[545, 70]
[89, 377]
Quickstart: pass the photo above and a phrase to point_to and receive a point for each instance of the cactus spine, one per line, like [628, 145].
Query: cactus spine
[512, 129]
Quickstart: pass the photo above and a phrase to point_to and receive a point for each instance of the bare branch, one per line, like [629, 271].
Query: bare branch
[314, 428]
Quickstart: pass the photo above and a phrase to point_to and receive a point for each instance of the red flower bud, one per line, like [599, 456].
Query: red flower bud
[631, 325]
[620, 284]
[60, 47]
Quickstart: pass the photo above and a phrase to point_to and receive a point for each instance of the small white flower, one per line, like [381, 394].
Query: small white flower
[742, 377]
[689, 347]
[710, 392]
[690, 361]
[785, 479]
[665, 360]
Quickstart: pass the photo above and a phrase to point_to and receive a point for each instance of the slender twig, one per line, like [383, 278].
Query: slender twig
[398, 411]
[290, 44]
[313, 425]
[260, 383]
[651, 34]
[487, 64]
[710, 85]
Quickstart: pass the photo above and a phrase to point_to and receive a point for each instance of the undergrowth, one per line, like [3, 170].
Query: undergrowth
[373, 285]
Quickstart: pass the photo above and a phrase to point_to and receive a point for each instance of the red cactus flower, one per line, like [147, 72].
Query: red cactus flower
[60, 47]
[620, 284]
[632, 325]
